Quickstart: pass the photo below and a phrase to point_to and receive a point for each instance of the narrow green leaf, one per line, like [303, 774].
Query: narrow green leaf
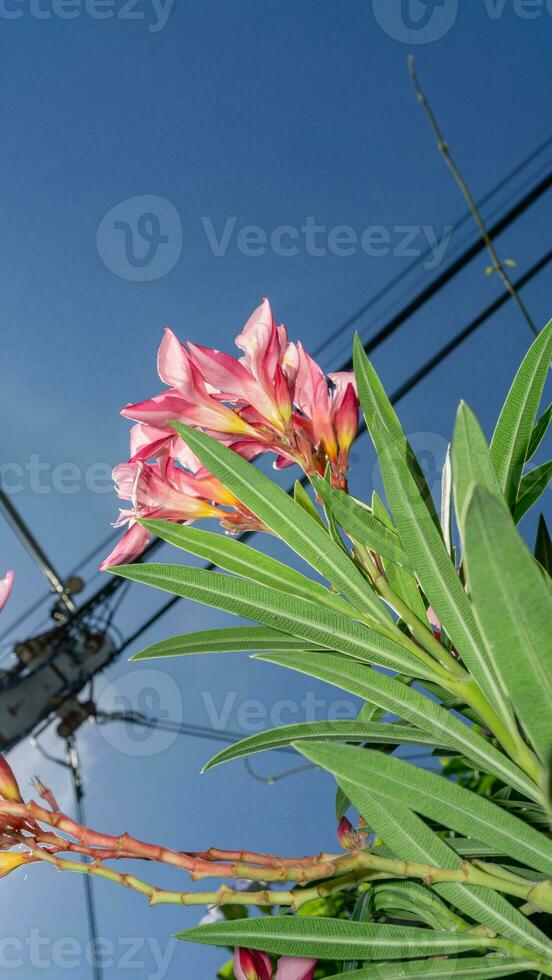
[539, 432]
[446, 500]
[411, 706]
[473, 967]
[410, 839]
[360, 523]
[237, 557]
[514, 610]
[437, 575]
[231, 639]
[435, 797]
[418, 902]
[288, 520]
[512, 436]
[383, 423]
[531, 487]
[332, 939]
[330, 731]
[401, 581]
[543, 546]
[471, 460]
[313, 623]
[302, 498]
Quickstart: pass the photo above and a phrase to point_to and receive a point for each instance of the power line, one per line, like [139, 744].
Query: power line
[467, 216]
[386, 331]
[395, 397]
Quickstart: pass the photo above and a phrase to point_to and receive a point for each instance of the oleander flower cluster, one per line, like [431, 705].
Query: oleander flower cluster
[274, 398]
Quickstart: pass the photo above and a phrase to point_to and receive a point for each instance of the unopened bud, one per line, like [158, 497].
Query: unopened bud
[349, 838]
[9, 790]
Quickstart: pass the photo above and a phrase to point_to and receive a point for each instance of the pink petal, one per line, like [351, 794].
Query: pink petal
[6, 585]
[129, 547]
[345, 418]
[223, 372]
[251, 964]
[173, 363]
[124, 478]
[295, 968]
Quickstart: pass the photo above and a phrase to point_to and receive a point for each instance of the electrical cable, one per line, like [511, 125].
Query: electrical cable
[387, 330]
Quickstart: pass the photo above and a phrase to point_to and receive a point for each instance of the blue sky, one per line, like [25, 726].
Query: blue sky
[242, 118]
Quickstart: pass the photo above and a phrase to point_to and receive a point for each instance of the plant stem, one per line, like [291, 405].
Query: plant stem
[442, 146]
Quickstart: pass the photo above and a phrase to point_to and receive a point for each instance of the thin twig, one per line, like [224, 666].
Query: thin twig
[497, 264]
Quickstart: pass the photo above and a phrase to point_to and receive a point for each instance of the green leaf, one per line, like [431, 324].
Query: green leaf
[473, 967]
[446, 500]
[471, 461]
[410, 839]
[383, 423]
[411, 706]
[539, 432]
[434, 797]
[543, 546]
[359, 522]
[231, 639]
[288, 520]
[302, 498]
[418, 902]
[437, 575]
[313, 623]
[332, 939]
[239, 558]
[514, 429]
[401, 581]
[337, 731]
[514, 609]
[531, 487]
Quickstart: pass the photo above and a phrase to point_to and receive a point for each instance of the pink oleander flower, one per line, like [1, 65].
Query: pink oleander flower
[170, 493]
[274, 398]
[250, 964]
[6, 585]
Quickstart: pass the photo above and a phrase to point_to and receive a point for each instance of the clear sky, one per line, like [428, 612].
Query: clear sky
[221, 115]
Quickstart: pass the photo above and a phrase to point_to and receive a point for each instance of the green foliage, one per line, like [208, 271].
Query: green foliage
[463, 882]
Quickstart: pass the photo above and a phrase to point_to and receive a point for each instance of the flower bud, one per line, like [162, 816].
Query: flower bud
[9, 790]
[251, 964]
[10, 860]
[348, 837]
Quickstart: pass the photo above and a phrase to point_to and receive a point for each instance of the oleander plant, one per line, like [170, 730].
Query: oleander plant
[438, 617]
